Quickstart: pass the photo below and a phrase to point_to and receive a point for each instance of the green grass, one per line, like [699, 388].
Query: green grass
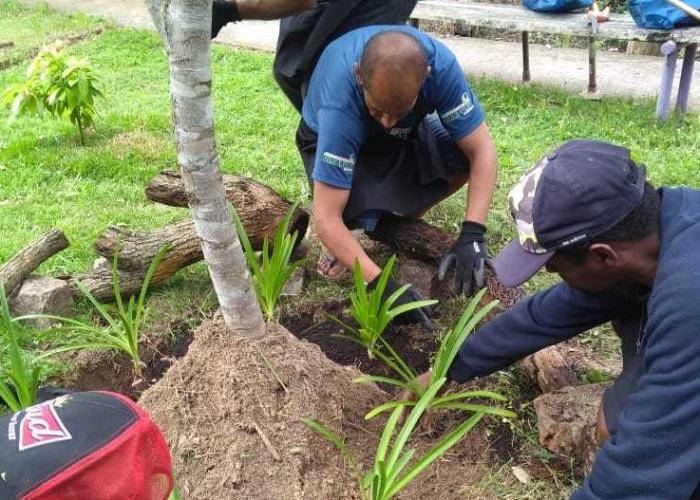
[29, 29]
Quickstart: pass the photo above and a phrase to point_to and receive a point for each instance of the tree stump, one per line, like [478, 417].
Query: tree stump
[567, 421]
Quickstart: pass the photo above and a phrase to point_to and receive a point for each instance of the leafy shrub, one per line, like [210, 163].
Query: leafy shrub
[60, 85]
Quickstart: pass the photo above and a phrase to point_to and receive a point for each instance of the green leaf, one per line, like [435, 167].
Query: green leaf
[391, 405]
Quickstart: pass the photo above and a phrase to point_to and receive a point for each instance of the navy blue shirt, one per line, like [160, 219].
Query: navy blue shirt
[334, 106]
[655, 452]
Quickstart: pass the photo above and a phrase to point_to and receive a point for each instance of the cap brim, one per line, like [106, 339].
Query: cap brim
[514, 266]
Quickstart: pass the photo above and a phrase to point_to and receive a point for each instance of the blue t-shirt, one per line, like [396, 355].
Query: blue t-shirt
[334, 106]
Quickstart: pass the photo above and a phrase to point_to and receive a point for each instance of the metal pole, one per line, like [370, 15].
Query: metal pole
[686, 77]
[592, 86]
[526, 56]
[670, 52]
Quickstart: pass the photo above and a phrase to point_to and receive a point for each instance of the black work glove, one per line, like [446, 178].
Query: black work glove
[223, 12]
[421, 315]
[469, 256]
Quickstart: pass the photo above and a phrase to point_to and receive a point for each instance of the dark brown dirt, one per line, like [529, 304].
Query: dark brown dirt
[93, 370]
[412, 343]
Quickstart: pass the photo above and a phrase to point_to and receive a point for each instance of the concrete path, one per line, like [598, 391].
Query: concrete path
[618, 74]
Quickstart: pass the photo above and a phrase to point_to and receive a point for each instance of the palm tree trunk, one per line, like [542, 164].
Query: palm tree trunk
[185, 26]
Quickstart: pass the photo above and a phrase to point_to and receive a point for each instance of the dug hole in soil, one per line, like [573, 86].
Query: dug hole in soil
[221, 402]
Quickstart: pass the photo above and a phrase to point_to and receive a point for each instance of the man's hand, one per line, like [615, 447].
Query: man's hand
[420, 384]
[421, 315]
[469, 256]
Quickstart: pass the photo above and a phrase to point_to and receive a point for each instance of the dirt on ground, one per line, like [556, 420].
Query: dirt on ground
[231, 411]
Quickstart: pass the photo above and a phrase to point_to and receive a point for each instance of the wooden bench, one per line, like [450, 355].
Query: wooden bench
[518, 19]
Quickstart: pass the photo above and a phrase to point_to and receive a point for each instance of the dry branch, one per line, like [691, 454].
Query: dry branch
[14, 271]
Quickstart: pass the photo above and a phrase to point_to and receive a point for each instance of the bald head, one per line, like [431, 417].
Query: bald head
[394, 54]
[392, 70]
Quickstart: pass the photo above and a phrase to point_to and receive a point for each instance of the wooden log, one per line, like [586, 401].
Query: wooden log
[259, 206]
[99, 281]
[422, 241]
[136, 249]
[549, 370]
[15, 270]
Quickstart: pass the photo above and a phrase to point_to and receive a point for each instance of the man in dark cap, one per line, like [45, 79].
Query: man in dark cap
[626, 253]
[390, 126]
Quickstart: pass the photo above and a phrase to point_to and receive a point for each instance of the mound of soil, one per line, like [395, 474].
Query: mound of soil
[219, 404]
[231, 409]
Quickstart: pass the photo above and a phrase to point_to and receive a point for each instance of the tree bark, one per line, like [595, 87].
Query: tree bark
[14, 271]
[99, 281]
[260, 208]
[420, 240]
[185, 26]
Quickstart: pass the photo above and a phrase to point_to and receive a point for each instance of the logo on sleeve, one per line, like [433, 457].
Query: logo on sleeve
[347, 164]
[41, 425]
[462, 109]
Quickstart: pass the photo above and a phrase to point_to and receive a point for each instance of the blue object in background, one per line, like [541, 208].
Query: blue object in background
[557, 5]
[660, 15]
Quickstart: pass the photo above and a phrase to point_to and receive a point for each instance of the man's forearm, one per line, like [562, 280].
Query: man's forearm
[339, 241]
[272, 9]
[482, 182]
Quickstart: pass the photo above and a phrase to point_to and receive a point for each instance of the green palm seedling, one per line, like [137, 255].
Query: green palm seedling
[391, 471]
[24, 378]
[273, 269]
[373, 315]
[448, 350]
[123, 328]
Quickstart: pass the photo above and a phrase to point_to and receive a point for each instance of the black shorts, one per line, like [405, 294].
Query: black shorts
[402, 176]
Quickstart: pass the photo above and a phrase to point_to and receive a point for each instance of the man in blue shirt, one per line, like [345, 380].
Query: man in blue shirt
[390, 125]
[627, 253]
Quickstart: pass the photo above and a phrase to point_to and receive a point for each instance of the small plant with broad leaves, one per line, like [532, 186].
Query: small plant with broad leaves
[123, 329]
[448, 350]
[60, 85]
[273, 269]
[392, 469]
[23, 384]
[373, 314]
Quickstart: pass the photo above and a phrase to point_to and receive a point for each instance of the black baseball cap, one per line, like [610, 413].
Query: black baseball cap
[580, 190]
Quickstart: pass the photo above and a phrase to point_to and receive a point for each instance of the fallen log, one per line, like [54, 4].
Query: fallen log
[423, 241]
[136, 249]
[259, 206]
[99, 281]
[15, 270]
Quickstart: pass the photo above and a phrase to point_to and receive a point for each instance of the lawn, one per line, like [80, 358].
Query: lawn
[47, 179]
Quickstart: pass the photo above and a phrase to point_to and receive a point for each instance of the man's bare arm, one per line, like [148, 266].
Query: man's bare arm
[272, 9]
[479, 149]
[329, 203]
